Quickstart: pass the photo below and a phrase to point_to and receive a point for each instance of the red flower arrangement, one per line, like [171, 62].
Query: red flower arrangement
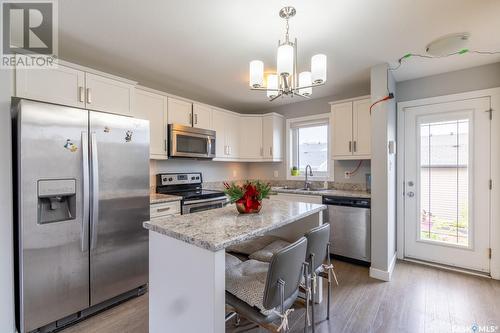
[248, 197]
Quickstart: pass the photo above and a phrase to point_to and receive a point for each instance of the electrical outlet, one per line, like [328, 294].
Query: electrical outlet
[347, 175]
[276, 174]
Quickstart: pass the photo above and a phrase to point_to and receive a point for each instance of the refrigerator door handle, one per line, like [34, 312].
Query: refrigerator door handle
[86, 194]
[95, 191]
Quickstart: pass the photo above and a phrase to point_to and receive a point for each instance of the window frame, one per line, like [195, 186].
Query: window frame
[291, 123]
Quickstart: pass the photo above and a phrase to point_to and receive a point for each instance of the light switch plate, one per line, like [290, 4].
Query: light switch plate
[276, 174]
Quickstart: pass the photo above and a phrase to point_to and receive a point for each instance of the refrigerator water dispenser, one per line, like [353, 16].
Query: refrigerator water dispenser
[56, 200]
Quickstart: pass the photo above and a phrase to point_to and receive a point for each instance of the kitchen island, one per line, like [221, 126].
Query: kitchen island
[187, 259]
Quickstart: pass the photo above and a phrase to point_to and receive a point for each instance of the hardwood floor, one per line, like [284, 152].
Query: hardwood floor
[419, 299]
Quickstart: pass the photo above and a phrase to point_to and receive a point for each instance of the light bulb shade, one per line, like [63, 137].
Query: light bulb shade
[272, 83]
[256, 73]
[318, 68]
[284, 60]
[305, 81]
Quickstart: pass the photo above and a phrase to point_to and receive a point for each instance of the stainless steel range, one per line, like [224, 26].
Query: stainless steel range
[188, 185]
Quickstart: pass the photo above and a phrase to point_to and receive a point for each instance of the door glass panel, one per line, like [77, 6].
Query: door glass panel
[444, 182]
[191, 144]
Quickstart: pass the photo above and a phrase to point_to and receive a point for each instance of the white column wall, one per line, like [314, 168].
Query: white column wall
[7, 323]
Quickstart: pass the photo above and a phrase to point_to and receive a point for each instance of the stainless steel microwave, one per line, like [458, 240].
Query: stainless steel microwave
[185, 141]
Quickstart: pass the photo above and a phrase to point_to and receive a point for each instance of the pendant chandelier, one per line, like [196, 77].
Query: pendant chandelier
[287, 81]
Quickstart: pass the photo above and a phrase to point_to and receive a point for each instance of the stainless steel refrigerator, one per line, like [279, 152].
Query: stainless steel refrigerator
[82, 195]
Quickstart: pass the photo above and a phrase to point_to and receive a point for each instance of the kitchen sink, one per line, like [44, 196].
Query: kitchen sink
[301, 189]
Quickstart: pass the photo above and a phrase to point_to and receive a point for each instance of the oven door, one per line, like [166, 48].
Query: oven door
[190, 144]
[201, 205]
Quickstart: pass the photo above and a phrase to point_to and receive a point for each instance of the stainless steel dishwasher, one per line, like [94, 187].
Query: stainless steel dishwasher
[350, 227]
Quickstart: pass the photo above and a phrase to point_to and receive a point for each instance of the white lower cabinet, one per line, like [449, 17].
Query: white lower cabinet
[153, 107]
[165, 209]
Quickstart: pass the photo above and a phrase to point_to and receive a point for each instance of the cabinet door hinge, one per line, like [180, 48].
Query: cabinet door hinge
[491, 184]
[489, 252]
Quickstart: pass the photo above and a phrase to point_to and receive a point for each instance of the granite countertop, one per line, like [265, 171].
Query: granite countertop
[217, 229]
[156, 198]
[339, 193]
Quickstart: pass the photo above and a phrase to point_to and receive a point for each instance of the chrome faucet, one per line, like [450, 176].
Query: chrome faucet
[307, 183]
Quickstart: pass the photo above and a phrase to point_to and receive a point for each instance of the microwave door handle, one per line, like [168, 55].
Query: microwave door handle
[209, 146]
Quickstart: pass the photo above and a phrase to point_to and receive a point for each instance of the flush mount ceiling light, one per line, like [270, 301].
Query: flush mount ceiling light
[286, 80]
[448, 44]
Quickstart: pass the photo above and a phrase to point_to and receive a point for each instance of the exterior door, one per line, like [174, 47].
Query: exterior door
[52, 222]
[447, 183]
[120, 204]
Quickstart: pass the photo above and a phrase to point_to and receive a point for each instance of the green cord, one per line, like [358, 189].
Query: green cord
[463, 51]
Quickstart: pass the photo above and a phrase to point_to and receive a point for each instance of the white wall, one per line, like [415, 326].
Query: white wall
[212, 171]
[383, 209]
[6, 236]
[307, 108]
[475, 78]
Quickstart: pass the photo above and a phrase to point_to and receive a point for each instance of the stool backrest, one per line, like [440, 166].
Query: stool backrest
[286, 265]
[317, 244]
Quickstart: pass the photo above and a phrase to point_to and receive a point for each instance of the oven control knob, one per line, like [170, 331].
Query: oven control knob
[198, 177]
[192, 178]
[170, 179]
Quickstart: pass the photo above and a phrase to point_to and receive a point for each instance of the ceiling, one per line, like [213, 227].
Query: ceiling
[201, 49]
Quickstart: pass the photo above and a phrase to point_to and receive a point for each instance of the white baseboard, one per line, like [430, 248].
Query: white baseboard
[384, 275]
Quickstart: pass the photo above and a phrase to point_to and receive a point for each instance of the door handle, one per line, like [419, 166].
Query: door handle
[354, 146]
[89, 95]
[195, 119]
[191, 119]
[209, 146]
[81, 93]
[94, 217]
[271, 151]
[350, 146]
[161, 210]
[86, 195]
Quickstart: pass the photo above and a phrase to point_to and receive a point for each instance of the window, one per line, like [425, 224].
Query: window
[309, 145]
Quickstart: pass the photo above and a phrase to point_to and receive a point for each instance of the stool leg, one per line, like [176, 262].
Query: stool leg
[313, 292]
[328, 299]
[307, 286]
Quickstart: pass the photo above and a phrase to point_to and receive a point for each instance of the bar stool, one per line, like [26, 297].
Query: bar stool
[318, 251]
[262, 292]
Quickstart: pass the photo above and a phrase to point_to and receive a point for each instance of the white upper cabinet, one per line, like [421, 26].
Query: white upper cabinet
[272, 137]
[180, 112]
[153, 107]
[70, 86]
[351, 125]
[226, 126]
[219, 126]
[233, 136]
[61, 85]
[202, 116]
[108, 95]
[250, 138]
[361, 128]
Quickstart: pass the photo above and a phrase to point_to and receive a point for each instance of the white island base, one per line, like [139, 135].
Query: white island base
[187, 281]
